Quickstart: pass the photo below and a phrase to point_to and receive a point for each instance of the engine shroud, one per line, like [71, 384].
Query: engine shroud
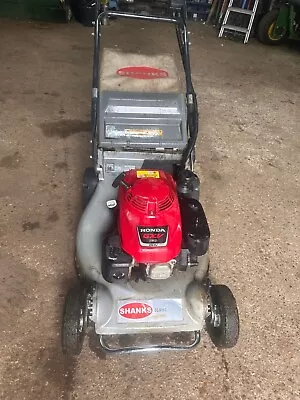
[150, 220]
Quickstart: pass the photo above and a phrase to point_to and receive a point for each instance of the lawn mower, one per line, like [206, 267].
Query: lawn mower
[280, 23]
[143, 237]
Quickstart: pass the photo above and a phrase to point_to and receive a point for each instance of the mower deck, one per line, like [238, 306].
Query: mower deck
[177, 304]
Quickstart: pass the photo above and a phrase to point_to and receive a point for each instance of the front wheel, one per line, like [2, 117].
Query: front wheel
[74, 320]
[223, 323]
[269, 32]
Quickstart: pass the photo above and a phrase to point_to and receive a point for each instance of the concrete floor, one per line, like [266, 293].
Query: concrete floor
[248, 158]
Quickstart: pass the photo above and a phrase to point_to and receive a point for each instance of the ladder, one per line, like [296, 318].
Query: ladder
[236, 28]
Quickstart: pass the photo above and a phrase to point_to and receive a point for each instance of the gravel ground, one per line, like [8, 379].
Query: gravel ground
[248, 159]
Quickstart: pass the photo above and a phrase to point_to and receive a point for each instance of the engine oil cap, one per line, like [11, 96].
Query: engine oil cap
[111, 203]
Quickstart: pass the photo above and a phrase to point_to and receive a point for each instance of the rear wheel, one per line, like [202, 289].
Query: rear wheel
[74, 320]
[223, 322]
[268, 32]
[89, 185]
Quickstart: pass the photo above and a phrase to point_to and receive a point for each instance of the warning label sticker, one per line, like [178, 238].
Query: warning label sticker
[143, 132]
[113, 131]
[147, 174]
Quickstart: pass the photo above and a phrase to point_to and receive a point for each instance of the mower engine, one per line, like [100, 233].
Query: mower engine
[152, 238]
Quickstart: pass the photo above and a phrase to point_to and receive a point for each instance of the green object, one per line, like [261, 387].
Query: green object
[280, 24]
[42, 10]
[294, 27]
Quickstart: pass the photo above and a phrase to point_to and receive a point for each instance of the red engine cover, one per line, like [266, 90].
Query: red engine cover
[150, 220]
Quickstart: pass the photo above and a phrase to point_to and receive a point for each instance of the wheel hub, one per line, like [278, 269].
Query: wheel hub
[215, 318]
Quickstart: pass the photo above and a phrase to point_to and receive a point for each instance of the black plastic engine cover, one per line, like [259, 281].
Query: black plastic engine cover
[195, 229]
[116, 263]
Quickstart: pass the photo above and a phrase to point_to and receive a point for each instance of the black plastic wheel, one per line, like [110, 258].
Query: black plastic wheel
[267, 32]
[74, 321]
[223, 323]
[89, 185]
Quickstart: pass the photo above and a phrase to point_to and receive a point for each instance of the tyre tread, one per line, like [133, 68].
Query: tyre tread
[264, 26]
[227, 335]
[72, 341]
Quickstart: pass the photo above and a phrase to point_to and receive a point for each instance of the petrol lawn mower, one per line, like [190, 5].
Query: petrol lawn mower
[143, 238]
